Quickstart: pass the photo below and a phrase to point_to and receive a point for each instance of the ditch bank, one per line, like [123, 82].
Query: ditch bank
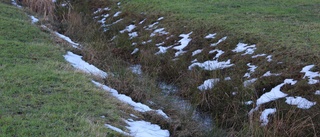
[244, 87]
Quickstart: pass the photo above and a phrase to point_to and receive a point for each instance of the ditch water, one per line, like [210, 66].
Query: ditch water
[169, 91]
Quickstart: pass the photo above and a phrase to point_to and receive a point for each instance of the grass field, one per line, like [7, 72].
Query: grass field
[40, 94]
[292, 23]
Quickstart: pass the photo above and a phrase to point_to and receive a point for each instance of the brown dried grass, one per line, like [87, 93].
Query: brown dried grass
[44, 7]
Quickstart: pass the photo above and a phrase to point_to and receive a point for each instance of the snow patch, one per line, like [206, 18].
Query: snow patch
[145, 129]
[267, 74]
[133, 35]
[264, 115]
[269, 58]
[117, 14]
[198, 51]
[212, 65]
[128, 28]
[251, 69]
[162, 50]
[208, 84]
[310, 75]
[220, 40]
[219, 53]
[249, 82]
[116, 129]
[158, 31]
[34, 19]
[77, 62]
[259, 55]
[136, 69]
[317, 92]
[275, 93]
[184, 41]
[241, 47]
[300, 102]
[210, 36]
[73, 44]
[126, 99]
[135, 51]
[13, 2]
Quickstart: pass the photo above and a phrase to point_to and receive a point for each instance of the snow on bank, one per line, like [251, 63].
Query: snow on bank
[208, 84]
[183, 43]
[219, 41]
[13, 2]
[145, 129]
[34, 19]
[241, 47]
[251, 69]
[77, 62]
[310, 75]
[212, 65]
[275, 93]
[126, 99]
[210, 36]
[264, 115]
[117, 129]
[128, 28]
[300, 102]
[73, 44]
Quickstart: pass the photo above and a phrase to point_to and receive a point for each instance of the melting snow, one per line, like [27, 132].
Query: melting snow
[208, 84]
[34, 19]
[269, 59]
[309, 74]
[267, 74]
[300, 102]
[184, 41]
[241, 47]
[13, 2]
[196, 52]
[264, 115]
[99, 10]
[136, 69]
[161, 18]
[220, 40]
[152, 26]
[212, 65]
[135, 51]
[162, 49]
[142, 21]
[116, 129]
[73, 44]
[248, 102]
[137, 106]
[77, 62]
[158, 31]
[317, 92]
[145, 129]
[128, 28]
[117, 14]
[133, 35]
[220, 52]
[210, 36]
[259, 55]
[249, 82]
[275, 93]
[159, 44]
[251, 70]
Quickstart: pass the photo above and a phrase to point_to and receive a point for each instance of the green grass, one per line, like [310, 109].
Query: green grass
[40, 94]
[277, 22]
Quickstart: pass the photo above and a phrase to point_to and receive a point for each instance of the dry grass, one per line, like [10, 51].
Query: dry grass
[43, 7]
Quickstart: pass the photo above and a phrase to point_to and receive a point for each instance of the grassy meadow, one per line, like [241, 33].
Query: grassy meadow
[40, 94]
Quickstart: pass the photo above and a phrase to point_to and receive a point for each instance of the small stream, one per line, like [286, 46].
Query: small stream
[169, 91]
